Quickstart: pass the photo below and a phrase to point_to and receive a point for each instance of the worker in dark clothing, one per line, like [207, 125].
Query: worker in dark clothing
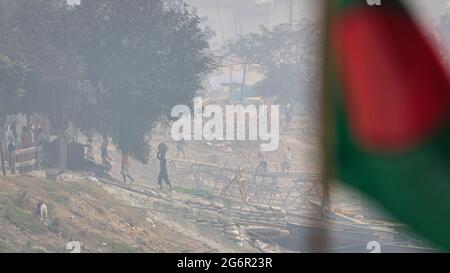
[262, 167]
[163, 175]
[11, 143]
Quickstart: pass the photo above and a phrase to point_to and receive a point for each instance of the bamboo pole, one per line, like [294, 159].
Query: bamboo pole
[2, 155]
[322, 234]
[2, 159]
[243, 82]
[291, 13]
[219, 13]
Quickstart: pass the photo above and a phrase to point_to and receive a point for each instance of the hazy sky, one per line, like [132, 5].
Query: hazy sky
[229, 18]
[430, 10]
[232, 18]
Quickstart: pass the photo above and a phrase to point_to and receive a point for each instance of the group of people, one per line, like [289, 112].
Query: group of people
[106, 159]
[125, 167]
[29, 137]
[285, 164]
[163, 173]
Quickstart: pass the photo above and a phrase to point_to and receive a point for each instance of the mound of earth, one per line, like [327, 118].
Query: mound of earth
[82, 209]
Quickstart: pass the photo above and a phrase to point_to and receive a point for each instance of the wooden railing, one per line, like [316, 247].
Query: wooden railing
[26, 160]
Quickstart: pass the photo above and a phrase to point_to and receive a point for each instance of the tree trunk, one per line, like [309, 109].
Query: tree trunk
[2, 159]
[2, 155]
[62, 150]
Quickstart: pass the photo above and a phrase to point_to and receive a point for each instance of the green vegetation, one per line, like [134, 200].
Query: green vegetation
[191, 191]
[290, 59]
[92, 222]
[100, 69]
[23, 219]
[120, 247]
[53, 225]
[4, 248]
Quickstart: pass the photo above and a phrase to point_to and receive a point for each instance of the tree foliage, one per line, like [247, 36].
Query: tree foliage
[12, 77]
[289, 56]
[142, 58]
[39, 33]
[110, 66]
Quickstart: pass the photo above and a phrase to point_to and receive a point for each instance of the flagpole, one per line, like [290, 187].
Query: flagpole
[321, 234]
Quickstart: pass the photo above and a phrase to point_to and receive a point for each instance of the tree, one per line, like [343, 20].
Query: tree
[175, 4]
[12, 76]
[112, 66]
[142, 58]
[290, 59]
[39, 32]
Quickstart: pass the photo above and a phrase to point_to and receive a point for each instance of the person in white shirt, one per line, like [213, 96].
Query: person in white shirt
[11, 143]
[90, 150]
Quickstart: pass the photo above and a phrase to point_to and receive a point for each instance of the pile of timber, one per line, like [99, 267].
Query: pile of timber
[233, 219]
[223, 215]
[244, 214]
[26, 159]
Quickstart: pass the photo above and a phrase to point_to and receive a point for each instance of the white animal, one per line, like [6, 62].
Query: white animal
[44, 212]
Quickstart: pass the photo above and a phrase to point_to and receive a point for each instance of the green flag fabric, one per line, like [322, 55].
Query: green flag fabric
[388, 118]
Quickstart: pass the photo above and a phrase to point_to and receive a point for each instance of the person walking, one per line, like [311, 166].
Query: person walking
[106, 159]
[263, 166]
[286, 164]
[40, 141]
[163, 174]
[11, 143]
[180, 147]
[124, 170]
[90, 150]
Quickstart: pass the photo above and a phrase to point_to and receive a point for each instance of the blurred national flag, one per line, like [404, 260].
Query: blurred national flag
[387, 113]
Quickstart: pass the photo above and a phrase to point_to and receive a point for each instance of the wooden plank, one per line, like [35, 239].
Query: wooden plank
[26, 163]
[31, 150]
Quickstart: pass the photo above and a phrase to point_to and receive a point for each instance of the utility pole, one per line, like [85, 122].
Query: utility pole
[291, 12]
[220, 21]
[243, 82]
[2, 155]
[239, 21]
